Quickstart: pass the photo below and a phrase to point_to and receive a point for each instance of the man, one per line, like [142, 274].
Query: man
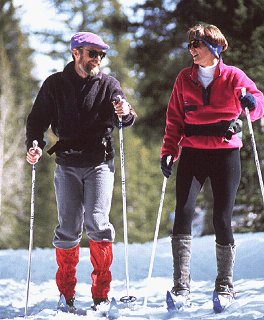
[82, 106]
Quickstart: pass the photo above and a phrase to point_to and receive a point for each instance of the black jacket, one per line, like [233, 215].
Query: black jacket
[80, 113]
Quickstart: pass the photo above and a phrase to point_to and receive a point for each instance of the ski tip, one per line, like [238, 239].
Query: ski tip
[170, 303]
[113, 312]
[62, 301]
[217, 307]
[168, 296]
[63, 307]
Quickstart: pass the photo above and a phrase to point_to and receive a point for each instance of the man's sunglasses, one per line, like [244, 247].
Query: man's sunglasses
[194, 44]
[94, 54]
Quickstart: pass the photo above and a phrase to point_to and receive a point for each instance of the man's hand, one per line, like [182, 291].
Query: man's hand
[122, 107]
[33, 155]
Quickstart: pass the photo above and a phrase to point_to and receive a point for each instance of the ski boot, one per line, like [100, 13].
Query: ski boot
[100, 304]
[66, 306]
[181, 297]
[223, 297]
[69, 307]
[223, 294]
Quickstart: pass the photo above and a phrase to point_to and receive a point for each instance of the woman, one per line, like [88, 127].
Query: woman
[202, 114]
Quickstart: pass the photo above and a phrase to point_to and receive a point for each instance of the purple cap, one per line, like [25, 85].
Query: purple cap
[81, 39]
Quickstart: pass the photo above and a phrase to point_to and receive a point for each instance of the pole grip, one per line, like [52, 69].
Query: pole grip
[169, 158]
[119, 99]
[35, 145]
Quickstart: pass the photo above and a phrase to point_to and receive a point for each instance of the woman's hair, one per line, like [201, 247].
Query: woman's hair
[209, 33]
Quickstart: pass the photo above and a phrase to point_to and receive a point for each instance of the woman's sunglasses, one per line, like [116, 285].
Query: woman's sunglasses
[94, 54]
[194, 44]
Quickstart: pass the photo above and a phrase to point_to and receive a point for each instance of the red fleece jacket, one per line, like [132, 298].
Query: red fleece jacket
[188, 105]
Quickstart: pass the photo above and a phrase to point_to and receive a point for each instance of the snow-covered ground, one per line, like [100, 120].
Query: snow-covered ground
[248, 276]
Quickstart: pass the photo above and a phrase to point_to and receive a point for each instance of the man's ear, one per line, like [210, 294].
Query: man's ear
[75, 53]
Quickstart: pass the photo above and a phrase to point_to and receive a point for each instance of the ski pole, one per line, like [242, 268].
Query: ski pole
[156, 234]
[126, 299]
[251, 132]
[32, 213]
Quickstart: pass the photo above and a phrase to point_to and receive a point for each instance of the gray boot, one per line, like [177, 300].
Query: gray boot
[225, 258]
[181, 251]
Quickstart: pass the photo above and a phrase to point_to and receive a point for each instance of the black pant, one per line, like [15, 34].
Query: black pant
[222, 167]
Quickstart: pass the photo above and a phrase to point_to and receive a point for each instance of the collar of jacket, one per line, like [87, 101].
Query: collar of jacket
[70, 73]
[194, 71]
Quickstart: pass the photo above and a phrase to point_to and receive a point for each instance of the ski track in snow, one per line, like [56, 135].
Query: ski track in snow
[43, 294]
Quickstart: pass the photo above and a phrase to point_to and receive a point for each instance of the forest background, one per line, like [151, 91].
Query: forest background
[148, 49]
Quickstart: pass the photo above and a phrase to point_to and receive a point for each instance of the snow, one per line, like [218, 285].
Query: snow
[43, 294]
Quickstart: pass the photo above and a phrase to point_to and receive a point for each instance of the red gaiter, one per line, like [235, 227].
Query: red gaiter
[101, 258]
[67, 260]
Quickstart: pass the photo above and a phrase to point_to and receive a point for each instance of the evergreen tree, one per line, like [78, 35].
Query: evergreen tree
[6, 106]
[16, 87]
[158, 56]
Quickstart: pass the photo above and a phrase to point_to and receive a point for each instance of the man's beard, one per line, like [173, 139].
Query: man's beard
[91, 71]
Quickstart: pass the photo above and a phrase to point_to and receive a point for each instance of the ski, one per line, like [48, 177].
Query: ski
[223, 303]
[63, 307]
[175, 305]
[181, 305]
[170, 303]
[109, 310]
[113, 312]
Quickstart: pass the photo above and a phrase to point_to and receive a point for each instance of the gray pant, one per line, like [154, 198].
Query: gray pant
[84, 198]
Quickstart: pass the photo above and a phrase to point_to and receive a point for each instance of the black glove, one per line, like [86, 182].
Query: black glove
[166, 163]
[248, 101]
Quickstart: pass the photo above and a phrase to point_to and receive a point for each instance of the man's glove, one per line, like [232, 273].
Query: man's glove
[166, 163]
[248, 101]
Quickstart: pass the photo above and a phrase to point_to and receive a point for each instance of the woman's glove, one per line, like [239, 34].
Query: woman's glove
[248, 101]
[166, 163]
